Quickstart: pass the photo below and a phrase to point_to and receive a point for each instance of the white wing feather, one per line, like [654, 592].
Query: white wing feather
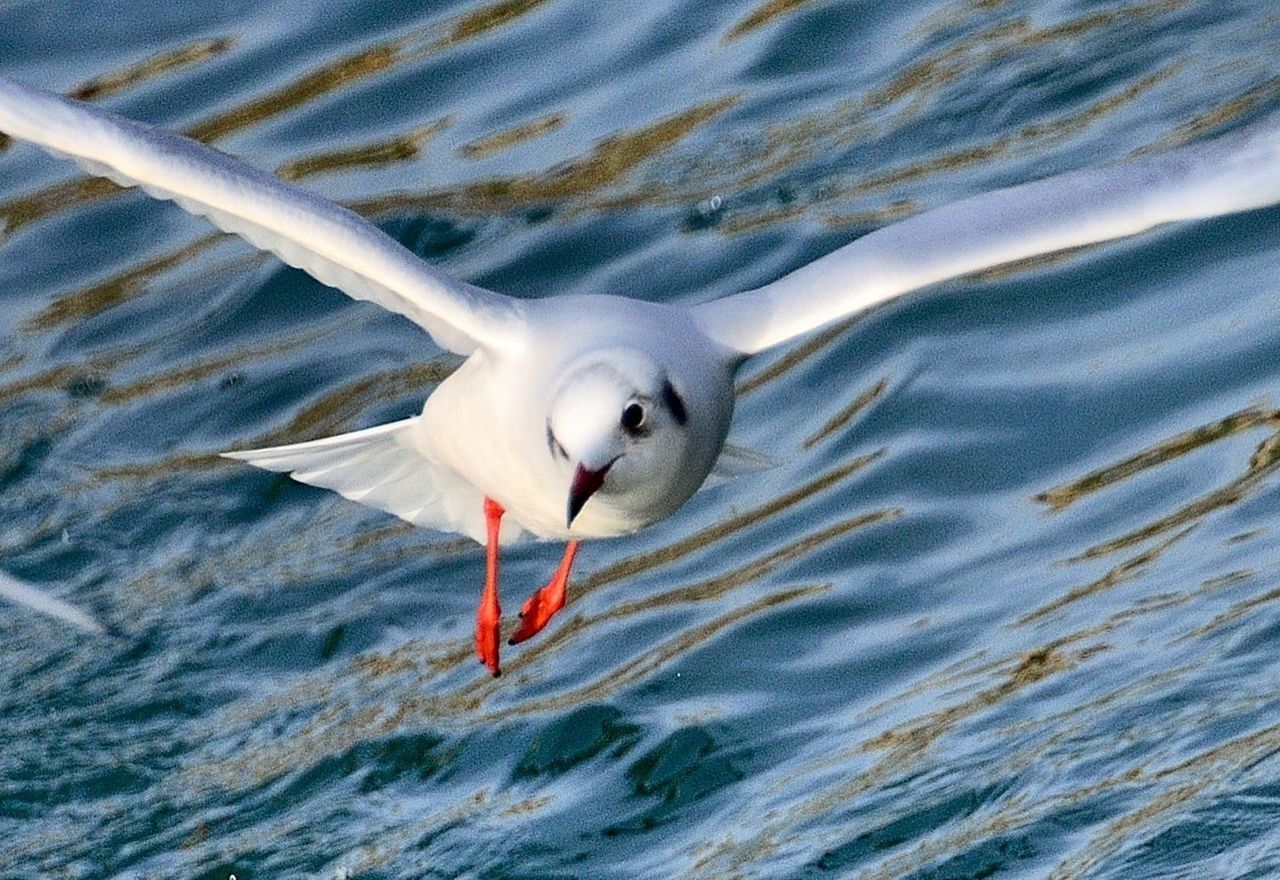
[331, 243]
[384, 467]
[1236, 172]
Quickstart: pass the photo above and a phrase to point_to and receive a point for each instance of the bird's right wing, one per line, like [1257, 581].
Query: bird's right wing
[336, 246]
[1235, 172]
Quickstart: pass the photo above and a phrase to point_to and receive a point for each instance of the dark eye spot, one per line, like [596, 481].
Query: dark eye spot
[675, 403]
[633, 417]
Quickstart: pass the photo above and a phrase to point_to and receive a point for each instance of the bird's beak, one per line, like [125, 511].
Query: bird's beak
[584, 484]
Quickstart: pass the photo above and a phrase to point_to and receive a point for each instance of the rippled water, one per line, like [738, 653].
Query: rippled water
[1008, 606]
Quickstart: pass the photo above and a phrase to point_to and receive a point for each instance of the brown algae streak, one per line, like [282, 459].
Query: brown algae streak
[1262, 95]
[847, 414]
[304, 89]
[795, 356]
[1124, 572]
[122, 287]
[398, 148]
[508, 138]
[487, 18]
[1262, 463]
[608, 162]
[159, 64]
[153, 66]
[762, 15]
[1060, 497]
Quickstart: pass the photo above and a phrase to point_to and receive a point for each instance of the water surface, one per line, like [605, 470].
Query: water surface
[1008, 606]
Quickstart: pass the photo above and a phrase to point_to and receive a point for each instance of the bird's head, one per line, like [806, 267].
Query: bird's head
[625, 432]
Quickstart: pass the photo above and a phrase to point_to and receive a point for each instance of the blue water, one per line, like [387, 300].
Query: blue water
[1008, 606]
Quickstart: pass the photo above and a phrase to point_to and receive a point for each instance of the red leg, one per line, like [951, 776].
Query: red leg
[541, 606]
[489, 614]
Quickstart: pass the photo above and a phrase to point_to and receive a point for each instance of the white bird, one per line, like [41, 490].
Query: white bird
[591, 416]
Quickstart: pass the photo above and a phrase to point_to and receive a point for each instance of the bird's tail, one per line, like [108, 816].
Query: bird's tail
[383, 467]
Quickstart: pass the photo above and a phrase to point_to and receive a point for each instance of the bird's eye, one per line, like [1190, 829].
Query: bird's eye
[633, 417]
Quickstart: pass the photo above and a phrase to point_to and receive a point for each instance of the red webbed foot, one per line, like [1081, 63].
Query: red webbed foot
[542, 606]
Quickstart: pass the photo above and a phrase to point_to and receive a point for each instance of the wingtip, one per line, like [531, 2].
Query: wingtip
[29, 596]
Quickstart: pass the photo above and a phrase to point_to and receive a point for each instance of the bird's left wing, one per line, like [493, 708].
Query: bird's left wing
[335, 245]
[1235, 172]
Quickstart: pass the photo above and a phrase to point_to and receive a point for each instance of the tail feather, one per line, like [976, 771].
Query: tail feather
[381, 467]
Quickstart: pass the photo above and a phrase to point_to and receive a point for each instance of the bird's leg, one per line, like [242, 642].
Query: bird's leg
[542, 605]
[489, 614]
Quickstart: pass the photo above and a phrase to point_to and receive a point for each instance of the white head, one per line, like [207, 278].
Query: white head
[632, 438]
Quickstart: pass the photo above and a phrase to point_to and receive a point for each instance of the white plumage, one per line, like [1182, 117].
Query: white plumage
[381, 467]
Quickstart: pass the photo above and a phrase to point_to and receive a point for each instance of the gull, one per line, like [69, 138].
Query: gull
[590, 416]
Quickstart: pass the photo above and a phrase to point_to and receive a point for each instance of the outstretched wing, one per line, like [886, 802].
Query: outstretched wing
[1236, 172]
[335, 245]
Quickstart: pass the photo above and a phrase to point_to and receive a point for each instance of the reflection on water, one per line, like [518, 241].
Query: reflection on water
[157, 65]
[400, 148]
[503, 140]
[576, 180]
[1259, 467]
[124, 286]
[312, 85]
[153, 67]
[762, 15]
[1007, 604]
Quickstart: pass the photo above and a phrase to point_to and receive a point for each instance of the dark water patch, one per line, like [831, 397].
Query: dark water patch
[577, 738]
[685, 768]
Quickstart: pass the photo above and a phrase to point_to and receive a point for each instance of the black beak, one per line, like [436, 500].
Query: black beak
[584, 484]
